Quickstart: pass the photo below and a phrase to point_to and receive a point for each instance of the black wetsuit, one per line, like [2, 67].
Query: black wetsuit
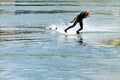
[78, 20]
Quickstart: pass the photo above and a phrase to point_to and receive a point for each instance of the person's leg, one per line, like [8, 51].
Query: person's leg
[81, 27]
[71, 26]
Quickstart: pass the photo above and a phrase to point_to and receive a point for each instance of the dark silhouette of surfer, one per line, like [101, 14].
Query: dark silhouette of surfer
[78, 19]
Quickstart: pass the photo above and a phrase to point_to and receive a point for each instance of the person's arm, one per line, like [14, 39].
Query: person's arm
[74, 19]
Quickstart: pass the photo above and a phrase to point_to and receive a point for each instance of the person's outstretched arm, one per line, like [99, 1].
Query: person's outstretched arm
[74, 19]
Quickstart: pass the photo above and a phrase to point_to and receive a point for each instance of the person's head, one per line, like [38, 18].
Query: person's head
[87, 12]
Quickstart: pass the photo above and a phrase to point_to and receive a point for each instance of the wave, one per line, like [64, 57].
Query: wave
[37, 11]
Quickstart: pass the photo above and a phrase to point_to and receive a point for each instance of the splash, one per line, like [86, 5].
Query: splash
[87, 28]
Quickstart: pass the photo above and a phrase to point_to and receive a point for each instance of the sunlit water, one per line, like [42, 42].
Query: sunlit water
[29, 51]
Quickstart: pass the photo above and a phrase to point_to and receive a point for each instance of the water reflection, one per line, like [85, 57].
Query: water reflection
[80, 41]
[75, 38]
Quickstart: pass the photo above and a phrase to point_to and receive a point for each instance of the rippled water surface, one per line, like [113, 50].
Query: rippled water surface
[29, 51]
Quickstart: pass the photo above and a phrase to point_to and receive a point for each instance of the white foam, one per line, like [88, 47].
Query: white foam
[86, 28]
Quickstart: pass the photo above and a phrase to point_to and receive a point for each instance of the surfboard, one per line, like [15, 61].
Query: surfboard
[66, 33]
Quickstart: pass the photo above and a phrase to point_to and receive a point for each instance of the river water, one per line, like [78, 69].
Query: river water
[29, 51]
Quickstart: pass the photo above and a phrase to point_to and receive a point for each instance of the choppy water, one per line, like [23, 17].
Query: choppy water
[28, 51]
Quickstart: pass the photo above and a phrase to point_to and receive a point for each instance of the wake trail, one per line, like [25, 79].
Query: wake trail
[86, 28]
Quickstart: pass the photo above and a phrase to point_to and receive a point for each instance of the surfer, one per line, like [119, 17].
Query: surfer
[79, 19]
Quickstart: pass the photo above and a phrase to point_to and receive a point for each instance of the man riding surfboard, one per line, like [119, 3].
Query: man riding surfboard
[79, 19]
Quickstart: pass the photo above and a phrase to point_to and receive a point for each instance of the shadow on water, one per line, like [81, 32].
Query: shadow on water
[78, 38]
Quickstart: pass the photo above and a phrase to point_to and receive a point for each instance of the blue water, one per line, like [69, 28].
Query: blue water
[29, 51]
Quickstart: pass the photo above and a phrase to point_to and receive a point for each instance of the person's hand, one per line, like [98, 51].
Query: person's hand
[71, 21]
